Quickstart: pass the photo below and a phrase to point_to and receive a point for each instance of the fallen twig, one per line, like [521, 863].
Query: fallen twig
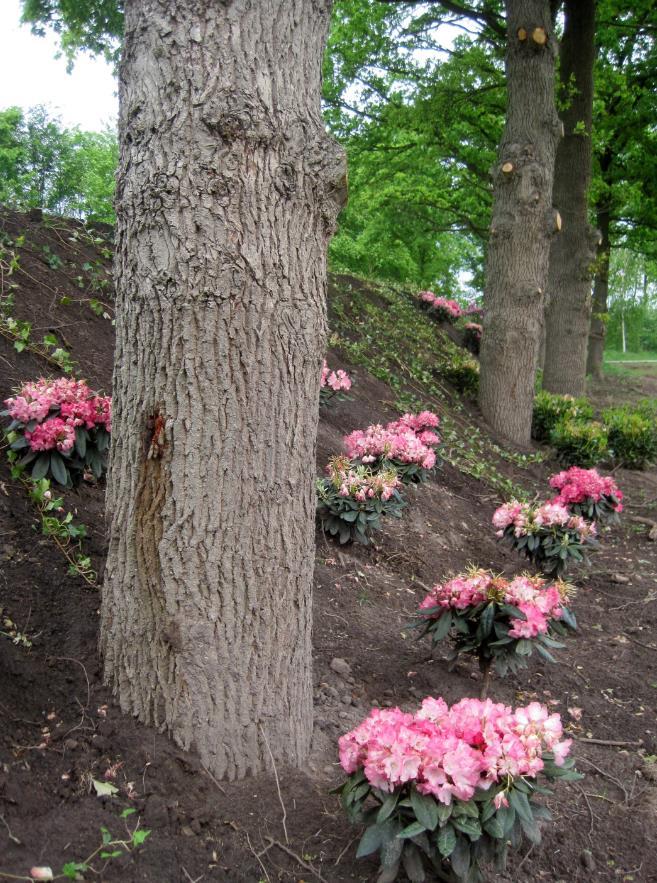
[296, 857]
[278, 786]
[612, 742]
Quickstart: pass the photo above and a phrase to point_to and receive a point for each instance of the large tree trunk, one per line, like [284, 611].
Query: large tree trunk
[598, 330]
[572, 254]
[228, 192]
[522, 225]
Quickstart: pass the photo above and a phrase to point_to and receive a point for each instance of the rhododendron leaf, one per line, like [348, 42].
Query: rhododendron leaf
[388, 875]
[58, 469]
[387, 807]
[461, 625]
[540, 811]
[391, 850]
[568, 618]
[81, 441]
[371, 840]
[486, 621]
[466, 808]
[360, 792]
[507, 816]
[412, 830]
[511, 610]
[487, 810]
[524, 647]
[545, 653]
[460, 858]
[444, 811]
[494, 827]
[40, 468]
[519, 802]
[442, 627]
[19, 444]
[28, 458]
[425, 809]
[550, 642]
[446, 841]
[412, 861]
[468, 826]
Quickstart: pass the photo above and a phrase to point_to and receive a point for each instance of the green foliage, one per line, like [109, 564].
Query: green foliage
[62, 170]
[632, 436]
[95, 26]
[462, 371]
[550, 408]
[580, 442]
[410, 830]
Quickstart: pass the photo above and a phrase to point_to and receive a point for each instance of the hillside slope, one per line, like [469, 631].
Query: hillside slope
[59, 728]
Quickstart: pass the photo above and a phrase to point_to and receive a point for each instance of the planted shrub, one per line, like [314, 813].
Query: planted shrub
[587, 493]
[632, 436]
[406, 445]
[332, 383]
[580, 443]
[60, 429]
[499, 621]
[549, 535]
[462, 371]
[443, 309]
[449, 788]
[550, 408]
[472, 332]
[352, 499]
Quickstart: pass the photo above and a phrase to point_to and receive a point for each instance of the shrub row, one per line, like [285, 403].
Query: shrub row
[625, 435]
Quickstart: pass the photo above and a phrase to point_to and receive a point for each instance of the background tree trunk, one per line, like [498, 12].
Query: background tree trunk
[522, 225]
[228, 191]
[572, 253]
[598, 330]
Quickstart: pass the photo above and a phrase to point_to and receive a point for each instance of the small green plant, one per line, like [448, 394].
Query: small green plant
[59, 525]
[462, 371]
[632, 436]
[110, 847]
[550, 409]
[579, 442]
[54, 260]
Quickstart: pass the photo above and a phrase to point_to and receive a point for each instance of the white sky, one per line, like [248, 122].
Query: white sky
[30, 74]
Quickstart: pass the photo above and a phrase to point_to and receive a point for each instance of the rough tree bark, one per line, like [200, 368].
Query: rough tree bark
[598, 330]
[228, 192]
[522, 225]
[572, 254]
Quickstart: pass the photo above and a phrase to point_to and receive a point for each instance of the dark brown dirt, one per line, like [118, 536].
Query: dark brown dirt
[59, 727]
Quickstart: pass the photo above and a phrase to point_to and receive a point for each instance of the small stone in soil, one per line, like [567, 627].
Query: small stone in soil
[341, 667]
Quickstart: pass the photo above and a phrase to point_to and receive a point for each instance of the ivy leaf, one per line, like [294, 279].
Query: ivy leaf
[104, 789]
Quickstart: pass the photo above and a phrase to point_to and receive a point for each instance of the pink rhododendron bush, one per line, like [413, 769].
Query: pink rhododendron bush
[352, 499]
[406, 445]
[60, 428]
[549, 534]
[333, 383]
[443, 309]
[499, 621]
[449, 788]
[587, 493]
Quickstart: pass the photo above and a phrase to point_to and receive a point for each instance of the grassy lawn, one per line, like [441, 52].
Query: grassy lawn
[618, 356]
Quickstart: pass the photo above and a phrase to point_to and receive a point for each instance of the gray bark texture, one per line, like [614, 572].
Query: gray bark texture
[598, 330]
[572, 253]
[522, 225]
[228, 192]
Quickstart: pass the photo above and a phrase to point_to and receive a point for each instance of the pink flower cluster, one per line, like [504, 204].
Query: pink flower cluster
[449, 308]
[72, 404]
[539, 603]
[530, 519]
[338, 380]
[361, 483]
[451, 752]
[407, 440]
[576, 485]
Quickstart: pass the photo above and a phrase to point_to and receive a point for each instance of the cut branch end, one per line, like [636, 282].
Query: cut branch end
[539, 36]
